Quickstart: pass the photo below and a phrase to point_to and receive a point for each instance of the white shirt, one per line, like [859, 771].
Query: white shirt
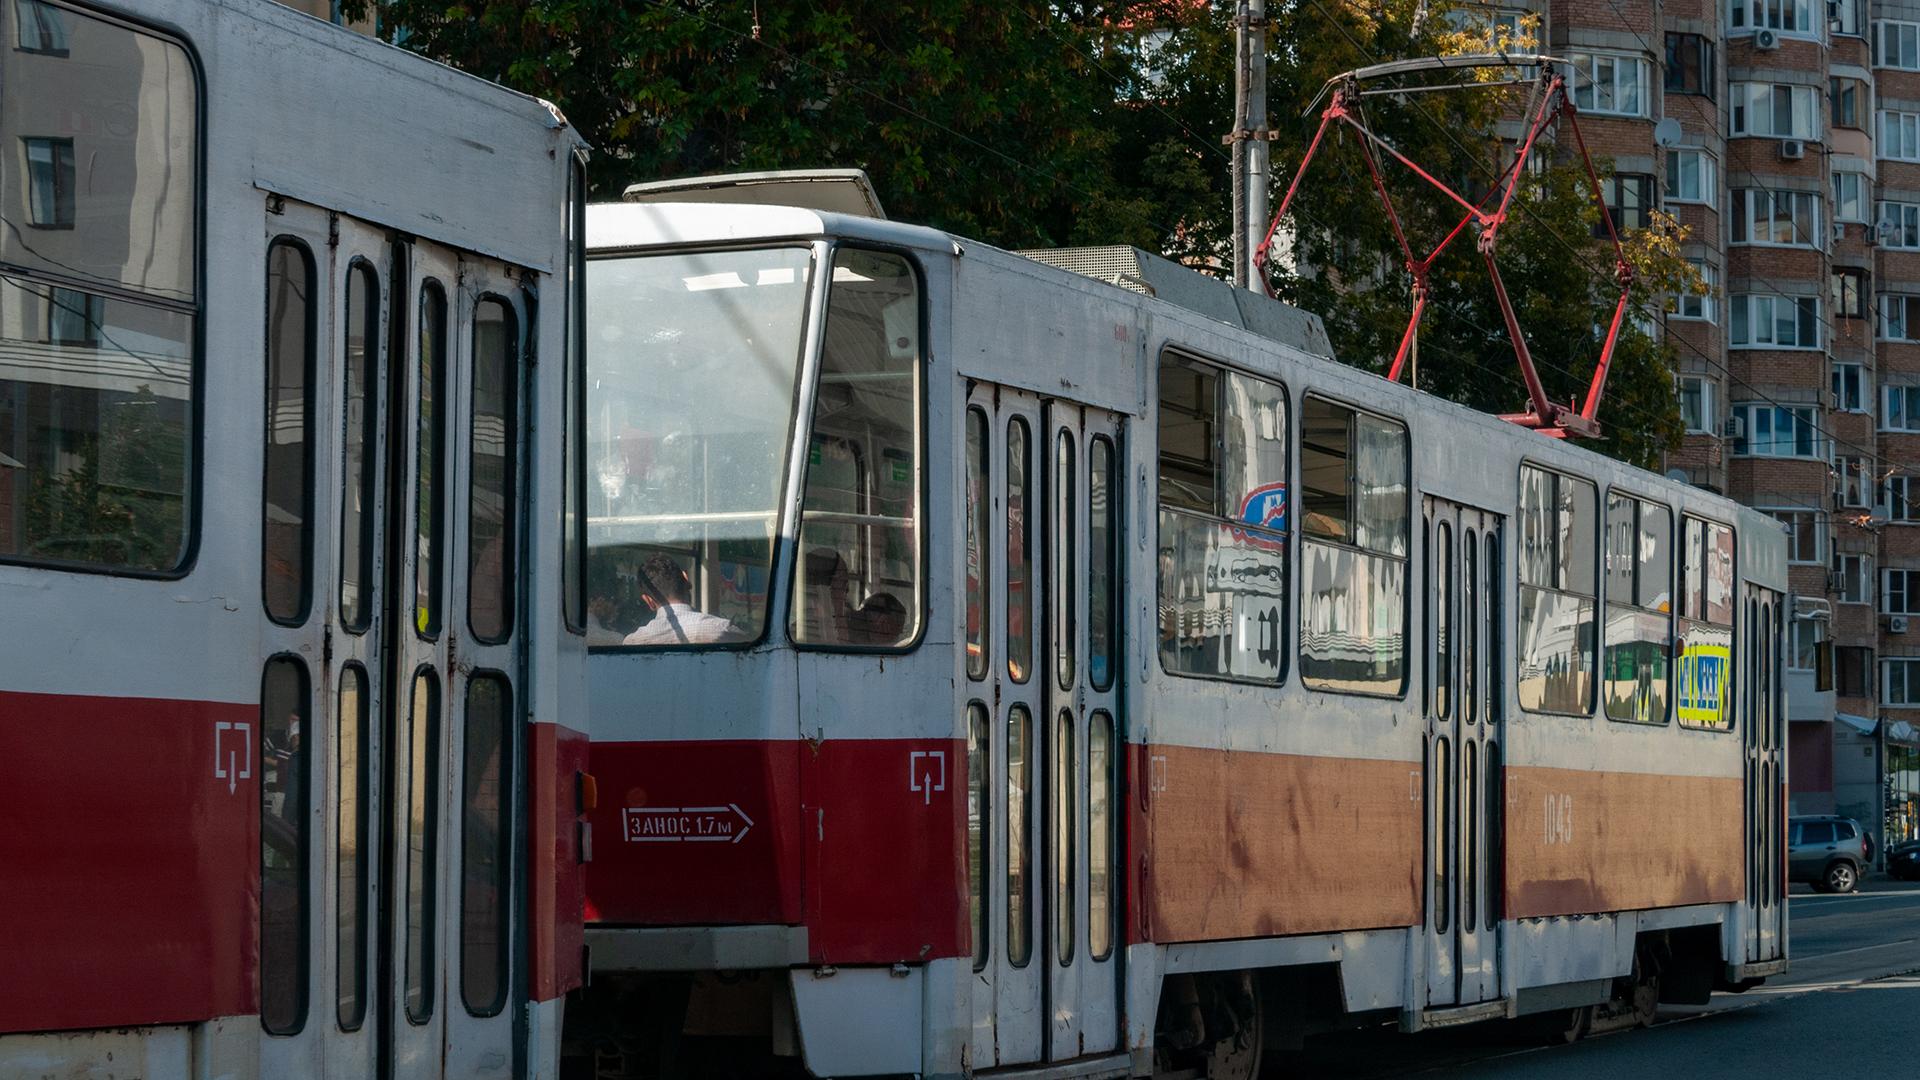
[680, 624]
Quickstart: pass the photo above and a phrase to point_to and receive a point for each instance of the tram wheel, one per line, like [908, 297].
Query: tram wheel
[1242, 1054]
[1570, 1026]
[1646, 1000]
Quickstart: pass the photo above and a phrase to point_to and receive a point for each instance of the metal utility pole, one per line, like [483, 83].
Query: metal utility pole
[1252, 187]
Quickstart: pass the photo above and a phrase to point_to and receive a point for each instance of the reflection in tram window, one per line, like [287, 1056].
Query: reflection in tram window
[857, 576]
[1019, 836]
[1223, 522]
[1354, 517]
[1441, 623]
[1066, 585]
[430, 473]
[285, 832]
[692, 371]
[1019, 551]
[979, 817]
[1556, 647]
[1100, 836]
[979, 560]
[485, 777]
[492, 438]
[422, 853]
[286, 529]
[1064, 811]
[1103, 565]
[350, 836]
[359, 448]
[1704, 675]
[1639, 565]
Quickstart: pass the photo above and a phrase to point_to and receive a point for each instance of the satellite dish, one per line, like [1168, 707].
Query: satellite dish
[1667, 132]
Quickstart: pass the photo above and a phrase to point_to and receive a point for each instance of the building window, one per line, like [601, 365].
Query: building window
[49, 183]
[1629, 198]
[1899, 317]
[1787, 16]
[1803, 535]
[1695, 305]
[1779, 322]
[1900, 408]
[1848, 380]
[1899, 224]
[1849, 196]
[1690, 176]
[1766, 216]
[1775, 431]
[1900, 498]
[1900, 682]
[1689, 65]
[1852, 573]
[41, 28]
[1898, 137]
[1778, 110]
[1900, 592]
[1896, 45]
[1848, 101]
[1844, 16]
[1609, 84]
[74, 317]
[1854, 481]
[1849, 293]
[1803, 647]
[1852, 667]
[1696, 404]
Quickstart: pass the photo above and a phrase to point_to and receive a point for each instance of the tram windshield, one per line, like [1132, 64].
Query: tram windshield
[692, 360]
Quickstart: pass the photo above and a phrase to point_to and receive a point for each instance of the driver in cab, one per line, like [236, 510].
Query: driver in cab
[665, 587]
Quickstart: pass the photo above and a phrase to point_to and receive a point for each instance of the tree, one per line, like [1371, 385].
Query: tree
[1036, 124]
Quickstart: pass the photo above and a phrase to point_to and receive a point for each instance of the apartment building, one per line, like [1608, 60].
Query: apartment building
[1785, 136]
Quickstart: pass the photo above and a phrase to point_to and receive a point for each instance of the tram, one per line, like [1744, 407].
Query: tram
[291, 632]
[995, 670]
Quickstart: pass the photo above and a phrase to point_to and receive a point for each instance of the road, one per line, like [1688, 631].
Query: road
[1852, 994]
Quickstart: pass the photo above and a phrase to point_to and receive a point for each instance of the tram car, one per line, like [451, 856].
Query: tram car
[291, 722]
[998, 670]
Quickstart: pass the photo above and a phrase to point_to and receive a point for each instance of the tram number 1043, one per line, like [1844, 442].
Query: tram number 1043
[1557, 821]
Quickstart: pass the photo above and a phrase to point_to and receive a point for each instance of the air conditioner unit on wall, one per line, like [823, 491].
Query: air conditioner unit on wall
[1764, 38]
[1896, 624]
[1792, 149]
[1735, 427]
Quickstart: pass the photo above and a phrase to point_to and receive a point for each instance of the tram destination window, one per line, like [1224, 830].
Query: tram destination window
[1354, 523]
[1637, 677]
[1557, 591]
[97, 403]
[693, 363]
[856, 581]
[1224, 505]
[1703, 696]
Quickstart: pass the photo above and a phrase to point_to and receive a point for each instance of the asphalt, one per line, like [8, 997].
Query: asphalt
[1849, 1003]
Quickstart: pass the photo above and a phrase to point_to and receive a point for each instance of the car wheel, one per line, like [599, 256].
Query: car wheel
[1842, 877]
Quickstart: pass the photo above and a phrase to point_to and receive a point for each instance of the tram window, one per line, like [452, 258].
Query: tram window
[359, 448]
[1704, 674]
[979, 817]
[1469, 626]
[1019, 836]
[979, 575]
[1064, 835]
[1490, 613]
[422, 841]
[1443, 672]
[1639, 565]
[1470, 835]
[1557, 587]
[1066, 592]
[1103, 561]
[857, 579]
[1224, 503]
[485, 787]
[1493, 801]
[430, 482]
[1100, 836]
[493, 438]
[1019, 551]
[97, 405]
[285, 835]
[1442, 825]
[1354, 521]
[693, 364]
[351, 854]
[286, 567]
[573, 551]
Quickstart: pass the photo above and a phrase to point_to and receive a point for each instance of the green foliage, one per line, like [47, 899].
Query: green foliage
[1031, 124]
[126, 512]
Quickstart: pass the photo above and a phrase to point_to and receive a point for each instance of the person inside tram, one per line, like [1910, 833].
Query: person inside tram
[664, 587]
[879, 621]
[603, 610]
[829, 611]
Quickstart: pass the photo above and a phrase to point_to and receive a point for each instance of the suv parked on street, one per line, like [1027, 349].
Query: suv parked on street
[1827, 852]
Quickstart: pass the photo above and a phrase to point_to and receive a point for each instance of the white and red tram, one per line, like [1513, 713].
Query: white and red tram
[995, 669]
[289, 706]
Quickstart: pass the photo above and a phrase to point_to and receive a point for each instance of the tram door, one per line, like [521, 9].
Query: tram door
[1761, 742]
[1464, 789]
[415, 384]
[1043, 669]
